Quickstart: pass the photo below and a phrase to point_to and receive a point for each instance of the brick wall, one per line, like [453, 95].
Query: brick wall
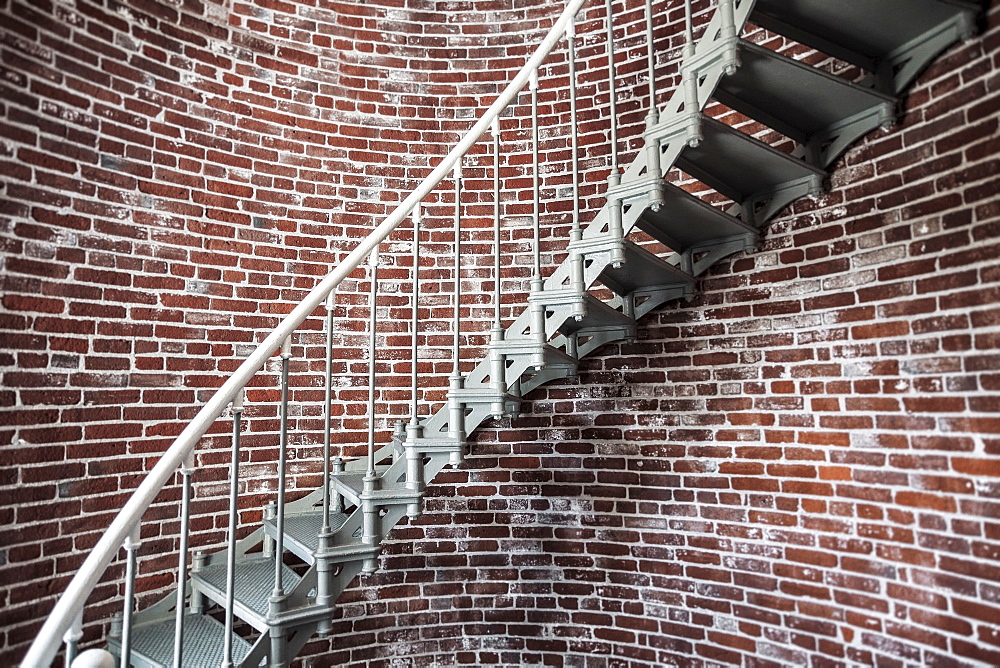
[798, 465]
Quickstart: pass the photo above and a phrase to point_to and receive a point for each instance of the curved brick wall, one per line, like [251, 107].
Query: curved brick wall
[797, 466]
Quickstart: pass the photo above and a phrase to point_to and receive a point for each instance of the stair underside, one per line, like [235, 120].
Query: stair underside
[873, 35]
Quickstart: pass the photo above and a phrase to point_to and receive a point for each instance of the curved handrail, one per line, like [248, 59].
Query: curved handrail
[46, 644]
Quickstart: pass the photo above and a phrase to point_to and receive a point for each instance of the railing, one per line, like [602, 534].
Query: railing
[64, 623]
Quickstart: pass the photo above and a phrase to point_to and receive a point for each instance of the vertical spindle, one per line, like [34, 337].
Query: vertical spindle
[325, 530]
[414, 426]
[689, 80]
[187, 469]
[72, 638]
[498, 371]
[497, 331]
[728, 17]
[369, 511]
[456, 410]
[612, 90]
[456, 352]
[654, 170]
[651, 61]
[535, 186]
[234, 518]
[576, 232]
[414, 458]
[372, 358]
[131, 546]
[616, 228]
[279, 546]
[574, 127]
[537, 309]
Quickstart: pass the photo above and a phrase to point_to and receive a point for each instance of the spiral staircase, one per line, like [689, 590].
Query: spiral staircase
[263, 599]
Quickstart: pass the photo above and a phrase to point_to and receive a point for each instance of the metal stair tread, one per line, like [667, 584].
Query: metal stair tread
[859, 31]
[253, 585]
[599, 316]
[643, 269]
[554, 358]
[685, 222]
[302, 531]
[741, 167]
[798, 100]
[204, 636]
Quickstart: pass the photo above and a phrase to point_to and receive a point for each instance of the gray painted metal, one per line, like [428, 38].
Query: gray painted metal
[302, 530]
[644, 271]
[153, 646]
[819, 110]
[254, 575]
[895, 39]
[761, 179]
[687, 224]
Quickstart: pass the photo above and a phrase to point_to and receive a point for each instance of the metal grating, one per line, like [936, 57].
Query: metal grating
[254, 581]
[203, 643]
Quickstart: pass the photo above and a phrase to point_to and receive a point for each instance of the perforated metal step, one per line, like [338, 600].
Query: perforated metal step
[824, 113]
[204, 637]
[302, 532]
[253, 585]
[895, 39]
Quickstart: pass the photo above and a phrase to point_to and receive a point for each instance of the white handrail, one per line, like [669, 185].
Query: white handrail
[46, 644]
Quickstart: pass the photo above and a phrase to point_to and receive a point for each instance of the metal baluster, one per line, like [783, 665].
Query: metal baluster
[689, 80]
[414, 429]
[537, 309]
[652, 145]
[728, 16]
[325, 530]
[369, 510]
[276, 603]
[612, 90]
[279, 548]
[72, 638]
[373, 319]
[615, 226]
[234, 519]
[414, 458]
[186, 470]
[131, 546]
[576, 233]
[324, 569]
[456, 410]
[498, 369]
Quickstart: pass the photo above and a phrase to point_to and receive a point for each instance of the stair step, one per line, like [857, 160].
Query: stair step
[895, 38]
[686, 224]
[483, 394]
[542, 356]
[644, 271]
[302, 532]
[253, 585]
[763, 180]
[824, 113]
[352, 486]
[153, 643]
[600, 317]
